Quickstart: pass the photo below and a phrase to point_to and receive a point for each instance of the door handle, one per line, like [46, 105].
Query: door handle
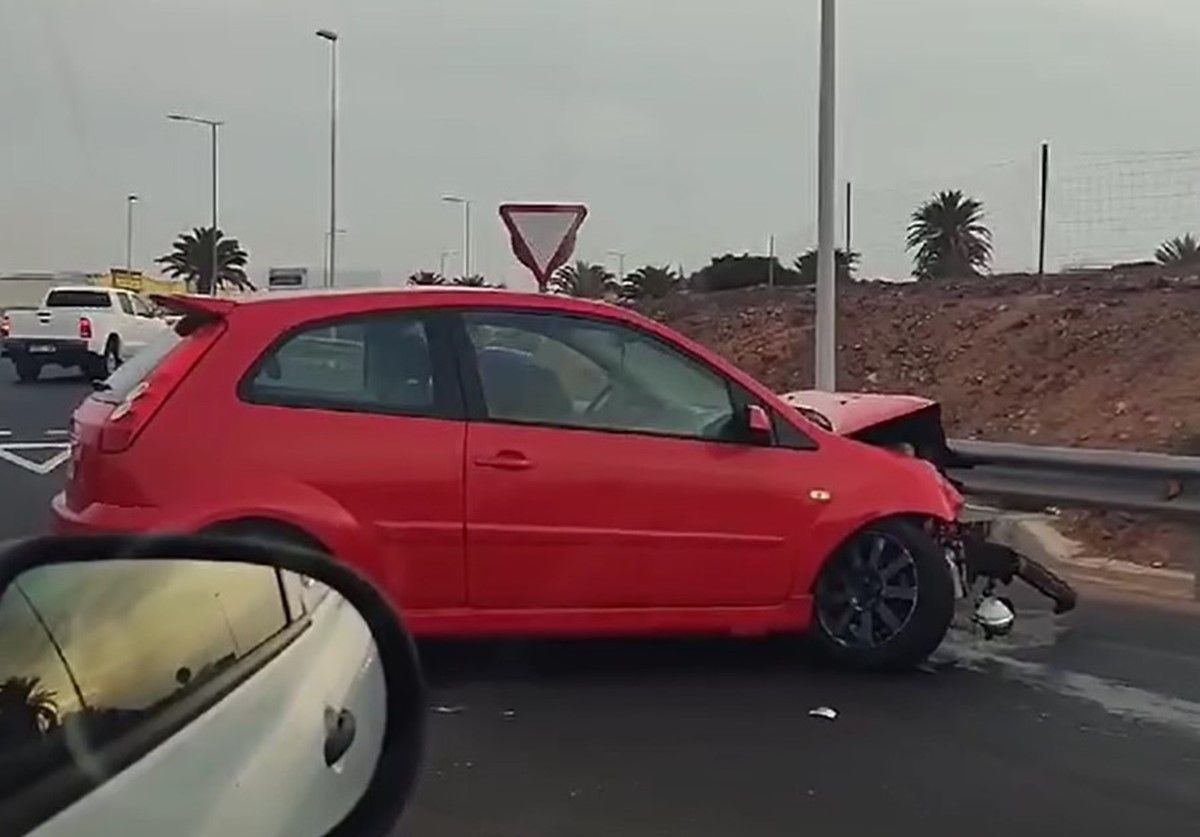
[505, 460]
[339, 733]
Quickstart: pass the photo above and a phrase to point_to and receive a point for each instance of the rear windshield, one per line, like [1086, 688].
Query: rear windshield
[135, 370]
[79, 299]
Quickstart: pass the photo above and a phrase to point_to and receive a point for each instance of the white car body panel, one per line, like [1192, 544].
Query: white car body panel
[254, 762]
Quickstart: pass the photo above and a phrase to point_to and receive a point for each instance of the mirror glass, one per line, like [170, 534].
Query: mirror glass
[183, 697]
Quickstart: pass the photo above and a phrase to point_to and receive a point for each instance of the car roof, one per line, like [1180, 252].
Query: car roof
[306, 305]
[434, 296]
[101, 288]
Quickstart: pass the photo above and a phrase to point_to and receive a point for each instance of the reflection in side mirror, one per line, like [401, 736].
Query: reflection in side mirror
[168, 696]
[758, 423]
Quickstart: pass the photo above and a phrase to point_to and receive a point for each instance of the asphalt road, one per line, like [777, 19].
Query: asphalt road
[1090, 724]
[34, 422]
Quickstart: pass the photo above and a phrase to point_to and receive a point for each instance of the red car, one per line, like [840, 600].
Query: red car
[517, 464]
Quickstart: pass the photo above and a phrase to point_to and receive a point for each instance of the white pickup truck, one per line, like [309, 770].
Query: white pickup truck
[92, 328]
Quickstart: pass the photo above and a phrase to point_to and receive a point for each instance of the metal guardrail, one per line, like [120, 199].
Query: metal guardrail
[1035, 477]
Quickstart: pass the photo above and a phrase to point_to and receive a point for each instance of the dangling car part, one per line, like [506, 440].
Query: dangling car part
[912, 426]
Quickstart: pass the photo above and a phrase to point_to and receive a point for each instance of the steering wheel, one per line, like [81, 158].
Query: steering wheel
[599, 401]
[722, 427]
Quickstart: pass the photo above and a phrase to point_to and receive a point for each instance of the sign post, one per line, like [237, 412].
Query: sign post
[543, 235]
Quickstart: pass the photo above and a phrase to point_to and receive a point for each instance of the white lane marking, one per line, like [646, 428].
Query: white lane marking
[40, 468]
[5, 432]
[58, 432]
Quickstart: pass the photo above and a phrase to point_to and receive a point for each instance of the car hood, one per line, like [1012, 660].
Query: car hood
[848, 413]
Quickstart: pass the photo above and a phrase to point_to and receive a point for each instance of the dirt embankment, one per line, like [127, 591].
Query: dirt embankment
[1104, 360]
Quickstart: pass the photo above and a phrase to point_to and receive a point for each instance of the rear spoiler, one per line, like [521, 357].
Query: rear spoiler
[208, 307]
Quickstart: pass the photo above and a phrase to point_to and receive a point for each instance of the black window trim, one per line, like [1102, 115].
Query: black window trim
[476, 407]
[447, 388]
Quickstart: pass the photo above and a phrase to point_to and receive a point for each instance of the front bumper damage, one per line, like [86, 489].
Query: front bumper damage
[982, 565]
[980, 556]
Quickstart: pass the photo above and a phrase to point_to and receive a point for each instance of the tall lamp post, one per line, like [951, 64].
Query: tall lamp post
[332, 37]
[130, 200]
[826, 322]
[325, 255]
[466, 205]
[213, 125]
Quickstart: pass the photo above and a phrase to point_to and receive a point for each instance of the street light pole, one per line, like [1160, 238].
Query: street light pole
[826, 319]
[332, 37]
[466, 204]
[325, 255]
[213, 125]
[620, 264]
[129, 202]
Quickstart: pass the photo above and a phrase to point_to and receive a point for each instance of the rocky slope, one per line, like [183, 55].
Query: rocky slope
[1102, 360]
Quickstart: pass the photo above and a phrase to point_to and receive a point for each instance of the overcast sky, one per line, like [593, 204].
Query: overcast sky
[687, 126]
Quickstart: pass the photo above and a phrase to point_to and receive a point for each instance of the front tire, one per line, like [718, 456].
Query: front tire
[885, 600]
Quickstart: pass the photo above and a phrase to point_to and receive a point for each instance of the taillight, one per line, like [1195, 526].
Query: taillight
[135, 410]
[5, 326]
[85, 328]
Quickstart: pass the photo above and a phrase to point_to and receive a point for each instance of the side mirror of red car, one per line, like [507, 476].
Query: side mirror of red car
[758, 424]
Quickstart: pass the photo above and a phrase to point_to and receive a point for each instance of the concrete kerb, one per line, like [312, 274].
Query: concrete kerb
[1036, 536]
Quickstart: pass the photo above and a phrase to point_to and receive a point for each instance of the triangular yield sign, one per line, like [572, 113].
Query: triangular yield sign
[543, 234]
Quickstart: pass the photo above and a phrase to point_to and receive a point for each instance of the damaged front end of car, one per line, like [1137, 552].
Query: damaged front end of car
[982, 565]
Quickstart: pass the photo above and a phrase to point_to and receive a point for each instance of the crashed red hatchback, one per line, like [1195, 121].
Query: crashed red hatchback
[516, 464]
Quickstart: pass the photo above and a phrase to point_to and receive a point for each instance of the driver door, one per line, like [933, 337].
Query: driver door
[606, 469]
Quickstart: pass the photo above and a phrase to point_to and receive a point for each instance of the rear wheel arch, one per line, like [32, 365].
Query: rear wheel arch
[270, 530]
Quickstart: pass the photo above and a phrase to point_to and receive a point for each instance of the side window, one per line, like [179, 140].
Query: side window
[110, 657]
[371, 364]
[123, 299]
[577, 372]
[140, 307]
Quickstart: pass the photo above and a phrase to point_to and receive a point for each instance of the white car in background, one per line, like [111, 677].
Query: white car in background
[91, 328]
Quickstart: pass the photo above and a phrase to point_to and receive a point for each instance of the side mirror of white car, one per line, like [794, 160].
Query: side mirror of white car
[192, 685]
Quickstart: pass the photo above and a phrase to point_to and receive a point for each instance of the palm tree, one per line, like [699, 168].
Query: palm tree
[472, 281]
[589, 281]
[192, 259]
[649, 282]
[27, 710]
[426, 277]
[950, 238]
[1180, 250]
[845, 265]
